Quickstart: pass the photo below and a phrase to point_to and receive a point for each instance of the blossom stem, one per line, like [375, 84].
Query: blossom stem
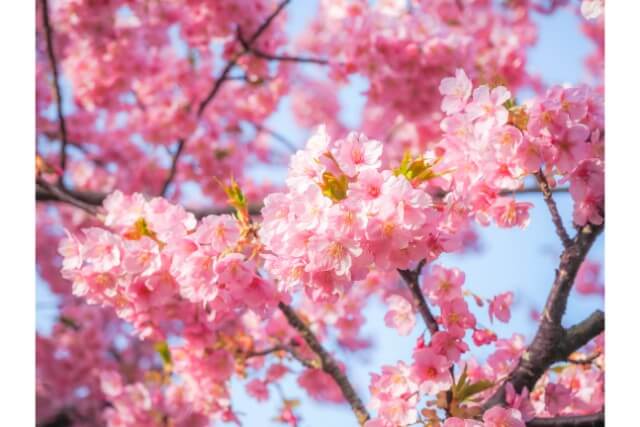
[327, 363]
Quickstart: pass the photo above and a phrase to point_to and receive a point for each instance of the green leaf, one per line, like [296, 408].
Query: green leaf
[475, 388]
[163, 350]
[461, 383]
[334, 187]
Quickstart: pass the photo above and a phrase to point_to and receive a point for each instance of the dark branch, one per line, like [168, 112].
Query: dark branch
[327, 363]
[174, 168]
[552, 342]
[90, 202]
[48, 29]
[273, 57]
[50, 192]
[532, 190]
[411, 278]
[287, 58]
[234, 60]
[553, 208]
[580, 334]
[62, 419]
[287, 349]
[591, 420]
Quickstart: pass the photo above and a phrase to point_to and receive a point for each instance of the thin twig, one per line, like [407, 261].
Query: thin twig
[327, 363]
[273, 57]
[90, 201]
[216, 88]
[174, 168]
[553, 208]
[411, 278]
[290, 349]
[223, 76]
[48, 29]
[50, 192]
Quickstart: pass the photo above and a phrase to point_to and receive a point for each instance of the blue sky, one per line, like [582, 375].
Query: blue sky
[511, 259]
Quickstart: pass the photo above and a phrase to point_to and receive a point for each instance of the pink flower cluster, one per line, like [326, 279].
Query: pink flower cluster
[406, 48]
[155, 263]
[147, 405]
[342, 214]
[493, 144]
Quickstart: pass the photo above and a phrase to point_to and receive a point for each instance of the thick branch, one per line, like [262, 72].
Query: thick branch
[411, 278]
[48, 29]
[553, 209]
[552, 342]
[591, 420]
[327, 363]
[580, 334]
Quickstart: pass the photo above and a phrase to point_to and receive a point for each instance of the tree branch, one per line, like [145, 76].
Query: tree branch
[227, 69]
[48, 29]
[174, 168]
[411, 278]
[273, 57]
[287, 349]
[327, 363]
[552, 342]
[49, 192]
[591, 420]
[91, 201]
[553, 208]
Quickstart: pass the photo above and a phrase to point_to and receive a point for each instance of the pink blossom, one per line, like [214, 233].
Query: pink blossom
[509, 213]
[487, 105]
[556, 397]
[443, 284]
[102, 249]
[501, 417]
[400, 315]
[356, 153]
[233, 270]
[520, 401]
[71, 249]
[142, 257]
[456, 91]
[431, 371]
[483, 337]
[592, 9]
[258, 390]
[500, 307]
[456, 317]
